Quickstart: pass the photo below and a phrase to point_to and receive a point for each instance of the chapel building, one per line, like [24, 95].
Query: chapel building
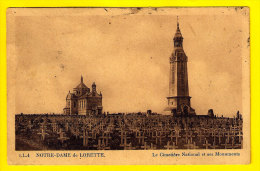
[83, 101]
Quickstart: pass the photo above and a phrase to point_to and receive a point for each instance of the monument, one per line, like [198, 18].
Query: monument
[179, 99]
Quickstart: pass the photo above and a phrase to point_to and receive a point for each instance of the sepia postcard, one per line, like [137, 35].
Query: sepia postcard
[128, 86]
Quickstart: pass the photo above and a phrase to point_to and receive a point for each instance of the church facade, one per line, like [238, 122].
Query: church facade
[83, 101]
[179, 99]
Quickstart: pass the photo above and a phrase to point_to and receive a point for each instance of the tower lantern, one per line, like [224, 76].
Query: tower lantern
[94, 87]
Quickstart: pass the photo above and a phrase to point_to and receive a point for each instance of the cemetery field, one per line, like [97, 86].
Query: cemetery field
[135, 131]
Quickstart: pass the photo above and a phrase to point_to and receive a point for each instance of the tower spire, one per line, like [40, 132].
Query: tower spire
[178, 23]
[178, 37]
[81, 79]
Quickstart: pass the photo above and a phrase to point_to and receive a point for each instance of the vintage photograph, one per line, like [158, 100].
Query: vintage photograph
[129, 79]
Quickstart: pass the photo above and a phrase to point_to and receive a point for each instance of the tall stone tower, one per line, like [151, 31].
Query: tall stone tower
[179, 99]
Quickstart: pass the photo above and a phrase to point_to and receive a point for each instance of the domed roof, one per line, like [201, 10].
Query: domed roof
[81, 85]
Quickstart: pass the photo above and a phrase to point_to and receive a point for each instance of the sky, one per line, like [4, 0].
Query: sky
[126, 53]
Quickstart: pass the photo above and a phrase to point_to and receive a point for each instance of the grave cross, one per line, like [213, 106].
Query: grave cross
[241, 144]
[30, 125]
[168, 146]
[213, 134]
[207, 145]
[54, 127]
[140, 136]
[124, 143]
[43, 134]
[177, 135]
[200, 135]
[145, 147]
[240, 136]
[102, 125]
[157, 136]
[67, 126]
[214, 146]
[62, 138]
[219, 135]
[187, 136]
[100, 146]
[106, 137]
[85, 137]
[228, 135]
[152, 147]
[226, 145]
[94, 134]
[190, 145]
[171, 136]
[76, 132]
[129, 147]
[90, 125]
[124, 137]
